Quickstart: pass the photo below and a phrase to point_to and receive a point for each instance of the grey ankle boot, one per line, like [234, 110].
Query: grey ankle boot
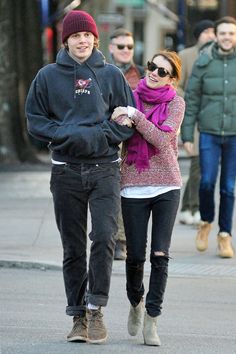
[150, 335]
[135, 318]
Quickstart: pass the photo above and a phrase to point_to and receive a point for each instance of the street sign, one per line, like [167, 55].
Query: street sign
[111, 18]
[131, 3]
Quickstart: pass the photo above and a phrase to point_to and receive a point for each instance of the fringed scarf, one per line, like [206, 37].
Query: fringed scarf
[139, 150]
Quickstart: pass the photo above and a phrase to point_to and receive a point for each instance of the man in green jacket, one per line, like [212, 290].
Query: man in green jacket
[211, 102]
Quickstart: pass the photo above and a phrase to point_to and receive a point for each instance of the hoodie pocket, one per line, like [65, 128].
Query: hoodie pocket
[80, 141]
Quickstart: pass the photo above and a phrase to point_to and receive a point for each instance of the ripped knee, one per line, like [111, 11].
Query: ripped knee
[160, 256]
[159, 253]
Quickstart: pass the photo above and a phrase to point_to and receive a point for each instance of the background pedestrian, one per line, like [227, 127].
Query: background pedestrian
[189, 214]
[210, 101]
[121, 49]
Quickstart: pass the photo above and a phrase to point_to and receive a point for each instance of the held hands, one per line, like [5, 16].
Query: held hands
[119, 111]
[128, 122]
[122, 111]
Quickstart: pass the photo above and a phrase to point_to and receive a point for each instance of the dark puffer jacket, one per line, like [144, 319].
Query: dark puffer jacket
[211, 95]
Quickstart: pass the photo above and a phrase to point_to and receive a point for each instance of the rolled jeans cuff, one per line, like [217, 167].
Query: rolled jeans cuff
[75, 310]
[97, 300]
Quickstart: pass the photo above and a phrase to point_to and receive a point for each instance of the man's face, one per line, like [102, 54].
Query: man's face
[206, 36]
[226, 36]
[122, 49]
[81, 45]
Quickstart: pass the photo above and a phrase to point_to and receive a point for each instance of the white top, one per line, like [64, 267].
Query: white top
[145, 191]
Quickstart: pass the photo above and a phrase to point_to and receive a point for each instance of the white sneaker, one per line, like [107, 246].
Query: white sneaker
[196, 218]
[185, 217]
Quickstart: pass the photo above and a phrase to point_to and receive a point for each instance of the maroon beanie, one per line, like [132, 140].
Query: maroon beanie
[78, 21]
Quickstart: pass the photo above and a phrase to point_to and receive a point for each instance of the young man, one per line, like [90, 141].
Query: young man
[203, 33]
[69, 105]
[121, 49]
[210, 99]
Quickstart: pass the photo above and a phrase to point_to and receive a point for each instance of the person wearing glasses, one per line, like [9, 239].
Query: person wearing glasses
[211, 102]
[150, 186]
[121, 50]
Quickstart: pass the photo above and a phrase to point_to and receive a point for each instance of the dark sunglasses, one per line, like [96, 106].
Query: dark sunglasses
[122, 46]
[162, 72]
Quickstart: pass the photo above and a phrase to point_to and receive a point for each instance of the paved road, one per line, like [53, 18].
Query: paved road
[200, 304]
[198, 316]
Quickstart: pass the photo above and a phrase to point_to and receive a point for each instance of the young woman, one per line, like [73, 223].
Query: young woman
[150, 185]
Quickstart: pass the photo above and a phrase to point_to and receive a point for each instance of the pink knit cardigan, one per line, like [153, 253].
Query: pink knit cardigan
[164, 168]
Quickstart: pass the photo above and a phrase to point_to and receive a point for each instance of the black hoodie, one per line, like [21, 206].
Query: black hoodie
[70, 106]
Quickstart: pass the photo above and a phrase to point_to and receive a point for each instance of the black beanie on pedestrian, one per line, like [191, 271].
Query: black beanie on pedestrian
[202, 26]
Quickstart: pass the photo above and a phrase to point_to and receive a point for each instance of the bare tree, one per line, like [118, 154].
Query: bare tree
[20, 58]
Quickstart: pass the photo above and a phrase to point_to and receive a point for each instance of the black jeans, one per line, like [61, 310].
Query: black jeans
[136, 214]
[74, 188]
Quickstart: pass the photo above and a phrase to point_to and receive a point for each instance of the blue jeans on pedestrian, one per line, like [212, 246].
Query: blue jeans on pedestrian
[75, 187]
[136, 214]
[215, 151]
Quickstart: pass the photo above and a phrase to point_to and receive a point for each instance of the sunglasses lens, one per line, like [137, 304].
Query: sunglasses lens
[151, 66]
[122, 46]
[162, 72]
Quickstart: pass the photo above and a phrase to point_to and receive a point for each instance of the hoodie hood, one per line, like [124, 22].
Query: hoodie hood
[96, 59]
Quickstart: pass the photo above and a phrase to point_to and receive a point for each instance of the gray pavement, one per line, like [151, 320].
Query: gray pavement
[200, 304]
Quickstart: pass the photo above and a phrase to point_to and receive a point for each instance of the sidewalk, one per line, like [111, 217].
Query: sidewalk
[29, 237]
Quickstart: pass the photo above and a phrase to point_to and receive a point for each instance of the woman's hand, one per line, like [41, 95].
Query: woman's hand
[120, 115]
[128, 122]
[119, 111]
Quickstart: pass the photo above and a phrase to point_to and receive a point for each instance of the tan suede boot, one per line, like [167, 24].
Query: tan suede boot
[135, 318]
[202, 236]
[225, 249]
[150, 335]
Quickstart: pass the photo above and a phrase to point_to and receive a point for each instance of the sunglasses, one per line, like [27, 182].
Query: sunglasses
[122, 46]
[162, 72]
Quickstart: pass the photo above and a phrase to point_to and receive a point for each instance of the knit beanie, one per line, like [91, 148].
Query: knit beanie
[78, 21]
[202, 26]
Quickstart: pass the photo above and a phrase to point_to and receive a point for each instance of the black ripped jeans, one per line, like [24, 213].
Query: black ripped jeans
[136, 214]
[75, 187]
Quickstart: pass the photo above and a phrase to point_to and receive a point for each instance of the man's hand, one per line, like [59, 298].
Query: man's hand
[188, 146]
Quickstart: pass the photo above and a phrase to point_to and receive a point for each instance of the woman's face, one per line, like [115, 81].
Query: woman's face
[155, 72]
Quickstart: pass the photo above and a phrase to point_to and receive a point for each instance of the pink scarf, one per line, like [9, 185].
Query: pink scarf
[139, 150]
